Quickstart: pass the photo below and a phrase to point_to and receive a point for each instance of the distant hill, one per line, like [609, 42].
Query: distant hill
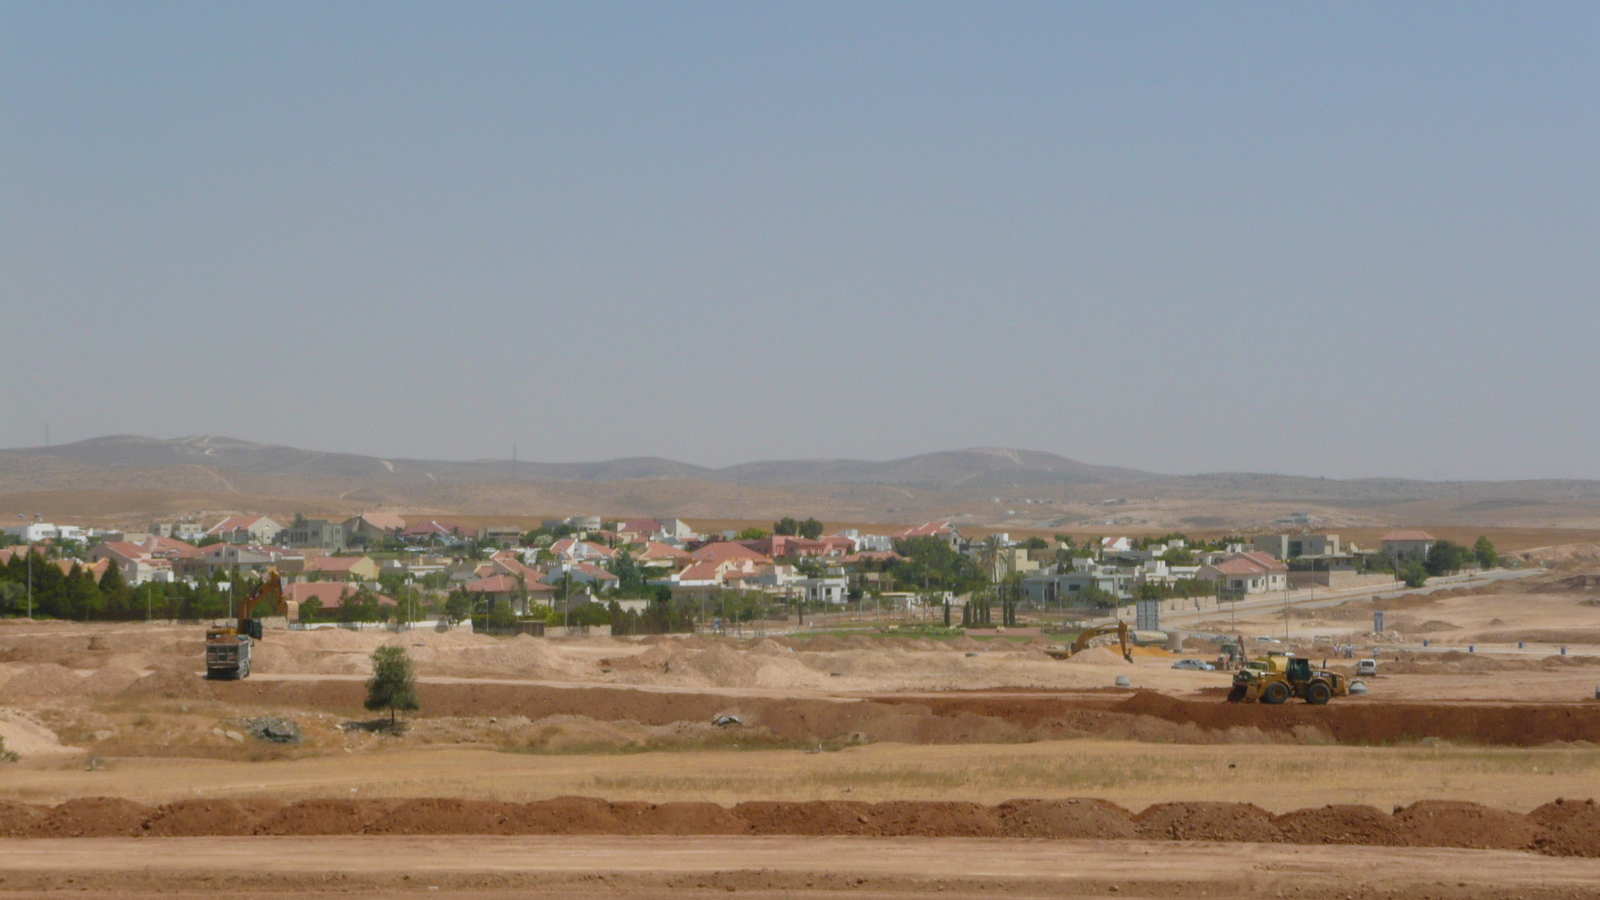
[972, 468]
[127, 476]
[976, 468]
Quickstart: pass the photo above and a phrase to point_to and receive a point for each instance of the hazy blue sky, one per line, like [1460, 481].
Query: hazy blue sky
[1335, 239]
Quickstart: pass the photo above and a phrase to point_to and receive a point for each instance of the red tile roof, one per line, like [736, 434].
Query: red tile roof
[724, 550]
[1408, 534]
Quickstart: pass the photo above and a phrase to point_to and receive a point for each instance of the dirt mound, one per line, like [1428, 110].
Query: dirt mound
[112, 679]
[686, 817]
[1457, 823]
[1559, 828]
[812, 817]
[20, 819]
[568, 815]
[44, 680]
[1338, 824]
[1097, 656]
[933, 818]
[1207, 821]
[172, 684]
[1086, 819]
[723, 667]
[435, 815]
[192, 818]
[1572, 828]
[326, 817]
[93, 817]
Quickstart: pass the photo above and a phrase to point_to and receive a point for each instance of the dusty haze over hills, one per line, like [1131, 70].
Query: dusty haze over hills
[131, 478]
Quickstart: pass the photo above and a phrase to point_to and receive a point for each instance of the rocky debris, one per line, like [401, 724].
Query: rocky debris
[273, 730]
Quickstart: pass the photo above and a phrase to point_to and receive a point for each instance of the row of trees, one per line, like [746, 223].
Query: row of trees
[77, 594]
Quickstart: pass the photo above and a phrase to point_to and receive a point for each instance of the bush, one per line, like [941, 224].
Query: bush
[1414, 574]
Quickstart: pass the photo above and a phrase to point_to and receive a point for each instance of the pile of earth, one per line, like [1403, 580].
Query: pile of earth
[1559, 828]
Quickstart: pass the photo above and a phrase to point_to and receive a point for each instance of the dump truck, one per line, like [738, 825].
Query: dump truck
[1120, 629]
[1278, 677]
[228, 646]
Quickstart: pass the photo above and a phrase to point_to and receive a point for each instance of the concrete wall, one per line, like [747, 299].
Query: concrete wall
[1340, 579]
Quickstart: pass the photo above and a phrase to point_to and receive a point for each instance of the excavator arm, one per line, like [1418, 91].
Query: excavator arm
[1120, 629]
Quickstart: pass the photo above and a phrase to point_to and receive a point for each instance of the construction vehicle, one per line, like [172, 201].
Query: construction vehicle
[228, 646]
[1120, 629]
[1278, 677]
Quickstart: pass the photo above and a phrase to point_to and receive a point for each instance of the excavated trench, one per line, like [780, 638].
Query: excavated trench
[965, 717]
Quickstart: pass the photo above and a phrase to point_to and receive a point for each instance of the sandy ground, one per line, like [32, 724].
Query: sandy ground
[628, 867]
[1133, 775]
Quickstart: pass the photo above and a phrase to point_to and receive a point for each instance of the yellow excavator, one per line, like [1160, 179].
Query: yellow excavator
[228, 646]
[1120, 629]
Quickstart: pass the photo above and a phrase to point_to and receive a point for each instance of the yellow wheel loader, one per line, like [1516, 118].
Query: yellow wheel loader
[1277, 678]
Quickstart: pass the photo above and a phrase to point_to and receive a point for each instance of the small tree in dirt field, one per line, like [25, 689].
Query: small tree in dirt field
[392, 685]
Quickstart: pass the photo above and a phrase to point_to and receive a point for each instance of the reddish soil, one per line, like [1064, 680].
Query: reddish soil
[1561, 828]
[1522, 725]
[960, 718]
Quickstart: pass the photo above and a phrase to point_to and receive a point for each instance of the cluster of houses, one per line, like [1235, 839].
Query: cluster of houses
[1272, 562]
[322, 560]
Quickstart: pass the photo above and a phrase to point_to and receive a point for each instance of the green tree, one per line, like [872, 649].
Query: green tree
[1036, 543]
[501, 617]
[1445, 558]
[457, 606]
[630, 579]
[393, 686]
[114, 589]
[752, 534]
[810, 529]
[1483, 551]
[786, 526]
[1178, 556]
[310, 610]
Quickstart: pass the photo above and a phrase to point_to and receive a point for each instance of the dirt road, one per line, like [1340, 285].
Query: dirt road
[627, 867]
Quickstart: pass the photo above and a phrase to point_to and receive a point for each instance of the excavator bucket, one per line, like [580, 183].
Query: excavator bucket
[1238, 693]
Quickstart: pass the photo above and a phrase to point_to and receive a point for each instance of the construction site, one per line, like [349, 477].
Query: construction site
[869, 759]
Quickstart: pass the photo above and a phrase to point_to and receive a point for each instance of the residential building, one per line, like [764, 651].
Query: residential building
[341, 568]
[183, 531]
[33, 532]
[942, 530]
[720, 551]
[431, 532]
[1052, 588]
[1407, 543]
[569, 550]
[330, 595]
[867, 543]
[522, 596]
[373, 527]
[248, 557]
[134, 563]
[318, 533]
[655, 554]
[1253, 572]
[501, 535]
[832, 588]
[638, 530]
[581, 573]
[245, 530]
[1290, 546]
[677, 529]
